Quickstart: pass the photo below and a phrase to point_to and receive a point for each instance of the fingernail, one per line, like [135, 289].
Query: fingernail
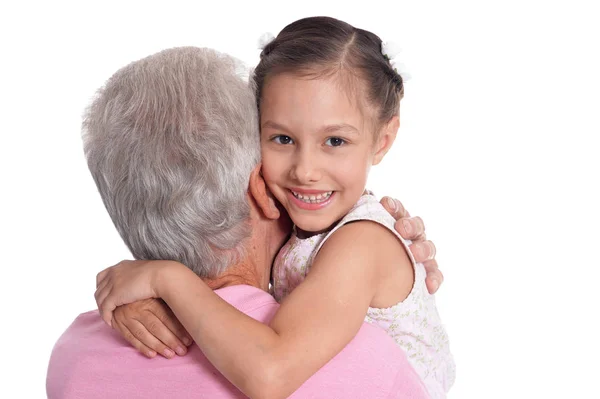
[180, 351]
[435, 284]
[150, 353]
[187, 341]
[168, 353]
[392, 204]
[407, 226]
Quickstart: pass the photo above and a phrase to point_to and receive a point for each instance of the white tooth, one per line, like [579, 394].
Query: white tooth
[312, 199]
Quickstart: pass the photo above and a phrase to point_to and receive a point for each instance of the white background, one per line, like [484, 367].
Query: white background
[497, 152]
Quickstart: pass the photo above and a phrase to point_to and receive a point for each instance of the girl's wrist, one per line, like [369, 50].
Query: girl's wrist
[166, 274]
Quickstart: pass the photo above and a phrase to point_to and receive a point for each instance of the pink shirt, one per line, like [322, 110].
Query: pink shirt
[92, 361]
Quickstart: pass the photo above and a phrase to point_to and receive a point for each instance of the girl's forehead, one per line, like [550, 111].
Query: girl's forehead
[324, 96]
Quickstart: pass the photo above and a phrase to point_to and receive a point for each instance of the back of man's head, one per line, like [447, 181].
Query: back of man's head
[170, 141]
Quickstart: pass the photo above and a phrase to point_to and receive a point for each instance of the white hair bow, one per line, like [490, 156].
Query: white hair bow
[390, 51]
[265, 39]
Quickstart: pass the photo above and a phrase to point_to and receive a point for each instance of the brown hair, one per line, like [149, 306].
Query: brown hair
[324, 46]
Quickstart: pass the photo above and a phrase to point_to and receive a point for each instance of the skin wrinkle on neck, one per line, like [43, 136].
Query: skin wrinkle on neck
[261, 249]
[241, 274]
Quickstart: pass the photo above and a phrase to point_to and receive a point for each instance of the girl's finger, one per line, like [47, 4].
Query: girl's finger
[100, 276]
[136, 343]
[105, 303]
[170, 330]
[101, 294]
[140, 332]
[101, 286]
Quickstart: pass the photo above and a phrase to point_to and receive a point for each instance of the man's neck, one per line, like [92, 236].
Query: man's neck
[255, 268]
[267, 237]
[243, 273]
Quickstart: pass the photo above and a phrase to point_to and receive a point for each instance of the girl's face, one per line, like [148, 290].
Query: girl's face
[316, 149]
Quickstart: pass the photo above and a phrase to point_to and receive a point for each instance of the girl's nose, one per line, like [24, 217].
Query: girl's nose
[305, 169]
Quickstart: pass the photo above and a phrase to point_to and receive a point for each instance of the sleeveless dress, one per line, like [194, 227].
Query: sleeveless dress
[413, 323]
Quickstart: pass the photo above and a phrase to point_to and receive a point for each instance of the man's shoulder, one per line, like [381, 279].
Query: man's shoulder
[371, 365]
[88, 329]
[93, 361]
[90, 351]
[253, 301]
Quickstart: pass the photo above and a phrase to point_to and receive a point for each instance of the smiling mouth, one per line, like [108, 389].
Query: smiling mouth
[312, 198]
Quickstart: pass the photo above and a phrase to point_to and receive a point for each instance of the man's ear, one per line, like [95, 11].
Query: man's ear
[262, 197]
[386, 139]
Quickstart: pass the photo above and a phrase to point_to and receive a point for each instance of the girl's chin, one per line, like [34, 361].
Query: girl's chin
[312, 227]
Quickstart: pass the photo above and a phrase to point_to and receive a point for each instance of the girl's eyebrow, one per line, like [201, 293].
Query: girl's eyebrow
[341, 127]
[273, 125]
[329, 129]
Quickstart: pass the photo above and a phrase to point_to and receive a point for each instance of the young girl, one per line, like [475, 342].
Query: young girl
[329, 103]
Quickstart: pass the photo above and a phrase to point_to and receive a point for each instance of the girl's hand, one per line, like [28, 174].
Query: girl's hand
[151, 327]
[126, 282]
[423, 250]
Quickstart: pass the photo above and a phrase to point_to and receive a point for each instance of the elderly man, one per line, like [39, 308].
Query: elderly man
[172, 142]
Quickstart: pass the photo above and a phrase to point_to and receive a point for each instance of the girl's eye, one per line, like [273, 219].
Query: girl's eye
[335, 141]
[282, 139]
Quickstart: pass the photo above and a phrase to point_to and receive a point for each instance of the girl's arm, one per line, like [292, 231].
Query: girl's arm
[314, 323]
[151, 335]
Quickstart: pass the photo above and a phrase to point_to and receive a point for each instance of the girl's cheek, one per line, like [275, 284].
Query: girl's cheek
[270, 167]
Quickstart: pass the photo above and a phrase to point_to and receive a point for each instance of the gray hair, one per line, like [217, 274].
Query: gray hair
[170, 141]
